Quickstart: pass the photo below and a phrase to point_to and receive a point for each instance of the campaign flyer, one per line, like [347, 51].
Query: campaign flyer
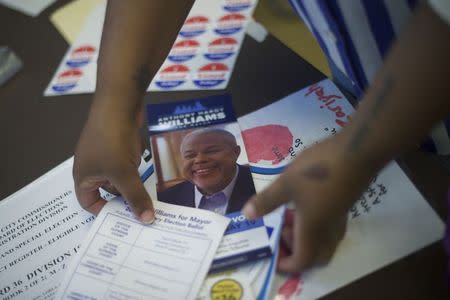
[200, 161]
[202, 56]
[379, 223]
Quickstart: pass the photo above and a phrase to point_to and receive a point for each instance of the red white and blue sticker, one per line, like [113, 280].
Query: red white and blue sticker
[230, 24]
[172, 76]
[194, 26]
[221, 48]
[81, 56]
[211, 75]
[237, 5]
[183, 50]
[67, 80]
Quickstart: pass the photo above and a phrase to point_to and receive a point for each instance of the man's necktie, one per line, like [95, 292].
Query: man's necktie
[215, 203]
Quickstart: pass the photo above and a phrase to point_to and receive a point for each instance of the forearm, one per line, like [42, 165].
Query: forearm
[408, 96]
[136, 38]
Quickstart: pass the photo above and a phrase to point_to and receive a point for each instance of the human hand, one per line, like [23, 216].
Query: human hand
[108, 156]
[323, 182]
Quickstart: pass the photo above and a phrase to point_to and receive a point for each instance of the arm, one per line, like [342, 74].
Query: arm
[137, 36]
[408, 96]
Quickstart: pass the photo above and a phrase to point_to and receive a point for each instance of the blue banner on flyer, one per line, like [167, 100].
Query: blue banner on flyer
[240, 223]
[190, 114]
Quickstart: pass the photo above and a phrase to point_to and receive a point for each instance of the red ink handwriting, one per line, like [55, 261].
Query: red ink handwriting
[328, 101]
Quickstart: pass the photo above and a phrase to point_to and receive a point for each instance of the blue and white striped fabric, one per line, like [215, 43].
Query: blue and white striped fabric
[356, 36]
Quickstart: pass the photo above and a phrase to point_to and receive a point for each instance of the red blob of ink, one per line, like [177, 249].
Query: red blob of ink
[268, 142]
[291, 287]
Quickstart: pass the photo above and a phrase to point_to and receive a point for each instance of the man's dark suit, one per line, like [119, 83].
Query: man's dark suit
[184, 194]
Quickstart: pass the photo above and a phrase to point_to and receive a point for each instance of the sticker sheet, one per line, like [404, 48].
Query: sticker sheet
[202, 56]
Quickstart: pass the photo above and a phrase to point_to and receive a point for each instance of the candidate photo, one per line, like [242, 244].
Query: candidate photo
[210, 177]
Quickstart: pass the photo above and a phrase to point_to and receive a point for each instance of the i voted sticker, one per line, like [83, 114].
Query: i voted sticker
[67, 80]
[237, 5]
[81, 56]
[183, 51]
[194, 26]
[221, 48]
[172, 76]
[211, 75]
[230, 24]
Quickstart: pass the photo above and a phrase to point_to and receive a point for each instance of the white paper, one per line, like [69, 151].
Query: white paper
[28, 7]
[257, 31]
[125, 259]
[202, 57]
[41, 229]
[390, 221]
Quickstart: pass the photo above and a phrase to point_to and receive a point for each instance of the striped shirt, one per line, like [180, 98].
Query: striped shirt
[356, 35]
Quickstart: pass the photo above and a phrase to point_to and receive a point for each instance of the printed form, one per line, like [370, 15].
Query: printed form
[125, 259]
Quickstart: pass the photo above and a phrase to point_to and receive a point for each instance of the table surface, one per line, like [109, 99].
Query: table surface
[40, 132]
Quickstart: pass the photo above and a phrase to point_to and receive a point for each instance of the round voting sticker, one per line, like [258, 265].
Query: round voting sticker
[194, 26]
[183, 51]
[172, 76]
[81, 56]
[211, 75]
[236, 5]
[67, 80]
[227, 289]
[230, 24]
[221, 48]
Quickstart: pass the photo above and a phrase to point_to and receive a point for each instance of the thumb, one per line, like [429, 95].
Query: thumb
[269, 199]
[130, 186]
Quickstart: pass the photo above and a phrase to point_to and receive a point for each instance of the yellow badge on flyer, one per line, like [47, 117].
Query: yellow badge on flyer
[226, 289]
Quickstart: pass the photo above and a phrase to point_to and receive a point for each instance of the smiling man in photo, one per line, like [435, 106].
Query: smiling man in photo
[214, 181]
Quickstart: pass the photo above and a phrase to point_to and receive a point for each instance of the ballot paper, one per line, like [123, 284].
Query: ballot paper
[41, 229]
[28, 7]
[124, 259]
[202, 57]
[391, 219]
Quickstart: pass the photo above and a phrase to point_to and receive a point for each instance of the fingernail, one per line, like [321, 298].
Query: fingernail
[249, 211]
[147, 217]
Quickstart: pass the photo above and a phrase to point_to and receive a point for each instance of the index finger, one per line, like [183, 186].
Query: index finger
[269, 199]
